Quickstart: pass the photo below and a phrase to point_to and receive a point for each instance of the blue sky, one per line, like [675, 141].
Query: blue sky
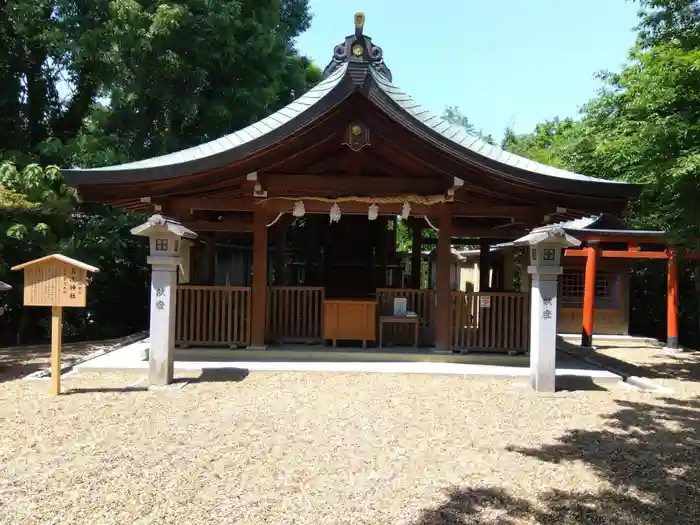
[501, 61]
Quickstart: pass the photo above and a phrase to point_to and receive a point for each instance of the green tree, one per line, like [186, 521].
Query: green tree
[546, 144]
[92, 83]
[454, 116]
[192, 71]
[141, 78]
[669, 21]
[646, 128]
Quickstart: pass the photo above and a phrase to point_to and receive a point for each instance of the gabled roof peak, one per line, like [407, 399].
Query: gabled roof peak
[358, 51]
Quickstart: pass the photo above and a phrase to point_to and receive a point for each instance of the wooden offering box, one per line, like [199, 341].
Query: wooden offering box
[350, 319]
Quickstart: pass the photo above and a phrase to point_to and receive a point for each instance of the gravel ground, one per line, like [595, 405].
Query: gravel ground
[297, 448]
[680, 371]
[20, 361]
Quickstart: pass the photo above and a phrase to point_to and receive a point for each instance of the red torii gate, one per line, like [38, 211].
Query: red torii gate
[593, 252]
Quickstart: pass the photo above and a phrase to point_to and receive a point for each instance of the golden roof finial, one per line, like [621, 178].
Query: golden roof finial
[359, 23]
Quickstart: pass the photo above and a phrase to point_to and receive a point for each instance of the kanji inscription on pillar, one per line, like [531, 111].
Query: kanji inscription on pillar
[547, 312]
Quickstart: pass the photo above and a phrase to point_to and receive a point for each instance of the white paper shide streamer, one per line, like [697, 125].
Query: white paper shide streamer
[299, 209]
[335, 213]
[373, 212]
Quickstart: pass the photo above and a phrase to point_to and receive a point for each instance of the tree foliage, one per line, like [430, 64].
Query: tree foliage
[548, 144]
[454, 116]
[644, 127]
[645, 124]
[98, 82]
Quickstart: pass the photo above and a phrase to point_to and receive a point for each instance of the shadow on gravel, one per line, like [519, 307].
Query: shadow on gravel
[210, 375]
[646, 455]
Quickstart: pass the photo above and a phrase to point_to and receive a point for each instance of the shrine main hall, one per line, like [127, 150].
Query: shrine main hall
[286, 232]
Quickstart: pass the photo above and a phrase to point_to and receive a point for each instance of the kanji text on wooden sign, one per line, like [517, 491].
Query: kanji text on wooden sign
[55, 280]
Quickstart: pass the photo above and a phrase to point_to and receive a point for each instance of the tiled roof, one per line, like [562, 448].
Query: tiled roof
[247, 134]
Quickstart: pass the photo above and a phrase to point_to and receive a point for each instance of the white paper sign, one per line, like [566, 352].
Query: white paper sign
[485, 301]
[400, 305]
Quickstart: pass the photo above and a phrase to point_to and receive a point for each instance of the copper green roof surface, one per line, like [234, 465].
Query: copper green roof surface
[462, 139]
[238, 138]
[356, 72]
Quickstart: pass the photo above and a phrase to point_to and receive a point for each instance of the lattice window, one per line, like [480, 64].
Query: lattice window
[573, 286]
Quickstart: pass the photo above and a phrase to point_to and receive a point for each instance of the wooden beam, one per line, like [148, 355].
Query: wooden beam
[272, 205]
[487, 233]
[238, 225]
[620, 254]
[366, 184]
[617, 254]
[627, 239]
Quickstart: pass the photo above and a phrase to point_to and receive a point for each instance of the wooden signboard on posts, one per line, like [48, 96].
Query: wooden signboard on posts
[55, 281]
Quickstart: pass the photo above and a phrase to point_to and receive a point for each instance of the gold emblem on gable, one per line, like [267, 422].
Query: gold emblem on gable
[357, 50]
[356, 136]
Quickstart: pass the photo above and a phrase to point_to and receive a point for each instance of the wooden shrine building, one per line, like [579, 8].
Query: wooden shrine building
[297, 216]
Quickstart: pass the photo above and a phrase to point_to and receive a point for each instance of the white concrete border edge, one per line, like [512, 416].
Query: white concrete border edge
[65, 369]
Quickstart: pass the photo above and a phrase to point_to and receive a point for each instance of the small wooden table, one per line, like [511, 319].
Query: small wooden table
[399, 319]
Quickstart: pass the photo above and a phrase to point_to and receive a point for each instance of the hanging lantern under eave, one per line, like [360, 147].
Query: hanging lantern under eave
[335, 213]
[299, 210]
[405, 210]
[373, 212]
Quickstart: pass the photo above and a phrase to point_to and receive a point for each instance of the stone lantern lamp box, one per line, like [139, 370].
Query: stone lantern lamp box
[168, 238]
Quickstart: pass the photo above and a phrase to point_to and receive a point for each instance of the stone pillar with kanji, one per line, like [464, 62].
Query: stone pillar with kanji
[545, 247]
[169, 258]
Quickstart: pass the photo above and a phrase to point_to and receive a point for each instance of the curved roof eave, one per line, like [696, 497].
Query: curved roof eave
[223, 150]
[477, 151]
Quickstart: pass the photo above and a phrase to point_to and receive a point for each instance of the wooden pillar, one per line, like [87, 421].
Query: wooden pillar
[443, 319]
[384, 244]
[484, 266]
[259, 284]
[56, 339]
[210, 258]
[589, 296]
[431, 266]
[416, 257]
[497, 263]
[280, 233]
[672, 301]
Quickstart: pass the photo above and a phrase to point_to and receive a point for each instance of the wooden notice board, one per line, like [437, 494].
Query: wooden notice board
[55, 280]
[55, 284]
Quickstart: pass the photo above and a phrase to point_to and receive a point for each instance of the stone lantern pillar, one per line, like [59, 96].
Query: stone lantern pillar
[169, 253]
[545, 246]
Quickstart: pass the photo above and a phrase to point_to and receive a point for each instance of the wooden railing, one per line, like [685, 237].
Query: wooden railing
[295, 314]
[213, 315]
[420, 301]
[490, 321]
